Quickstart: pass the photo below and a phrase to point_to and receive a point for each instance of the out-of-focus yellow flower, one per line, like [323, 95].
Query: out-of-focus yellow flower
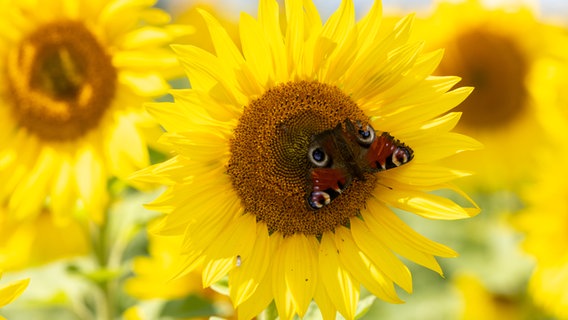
[550, 80]
[241, 193]
[545, 225]
[73, 77]
[38, 240]
[545, 221]
[481, 303]
[201, 36]
[494, 50]
[13, 290]
[153, 273]
[132, 313]
[153, 276]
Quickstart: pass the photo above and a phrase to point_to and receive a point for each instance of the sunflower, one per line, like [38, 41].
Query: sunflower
[494, 50]
[12, 291]
[74, 76]
[36, 241]
[151, 273]
[544, 225]
[152, 277]
[479, 302]
[190, 15]
[273, 182]
[553, 71]
[545, 220]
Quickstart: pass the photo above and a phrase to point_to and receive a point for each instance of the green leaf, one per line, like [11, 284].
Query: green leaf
[189, 307]
[364, 305]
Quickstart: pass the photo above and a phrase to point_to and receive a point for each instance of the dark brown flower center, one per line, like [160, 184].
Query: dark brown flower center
[61, 81]
[495, 65]
[269, 164]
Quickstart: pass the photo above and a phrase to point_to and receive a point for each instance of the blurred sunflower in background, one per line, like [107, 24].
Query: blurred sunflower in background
[480, 302]
[152, 273]
[239, 185]
[493, 49]
[152, 280]
[75, 76]
[33, 242]
[545, 220]
[545, 225]
[498, 48]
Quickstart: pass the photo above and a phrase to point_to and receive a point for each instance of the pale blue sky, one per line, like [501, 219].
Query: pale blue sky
[556, 10]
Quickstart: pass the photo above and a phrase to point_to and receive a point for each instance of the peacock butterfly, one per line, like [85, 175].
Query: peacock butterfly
[342, 154]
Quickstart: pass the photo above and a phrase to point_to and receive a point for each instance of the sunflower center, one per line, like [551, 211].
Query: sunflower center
[61, 81]
[496, 67]
[269, 164]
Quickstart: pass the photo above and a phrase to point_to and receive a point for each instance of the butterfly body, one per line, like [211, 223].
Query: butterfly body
[342, 154]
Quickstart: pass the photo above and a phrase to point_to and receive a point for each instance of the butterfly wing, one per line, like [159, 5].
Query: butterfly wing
[339, 156]
[385, 152]
[330, 176]
[327, 184]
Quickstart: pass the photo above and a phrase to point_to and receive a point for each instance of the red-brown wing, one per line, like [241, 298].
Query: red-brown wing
[327, 184]
[379, 151]
[329, 178]
[387, 153]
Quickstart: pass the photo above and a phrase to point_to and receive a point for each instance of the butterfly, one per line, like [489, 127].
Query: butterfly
[342, 154]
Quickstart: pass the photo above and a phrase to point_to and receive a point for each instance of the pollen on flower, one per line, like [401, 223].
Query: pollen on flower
[269, 166]
[61, 80]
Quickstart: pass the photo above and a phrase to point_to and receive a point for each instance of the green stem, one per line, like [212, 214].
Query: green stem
[107, 285]
[108, 291]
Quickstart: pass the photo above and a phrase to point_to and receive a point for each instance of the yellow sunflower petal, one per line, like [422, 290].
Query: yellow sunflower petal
[337, 28]
[256, 49]
[341, 287]
[175, 222]
[268, 13]
[427, 205]
[245, 279]
[368, 26]
[450, 143]
[280, 290]
[213, 210]
[424, 175]
[438, 125]
[153, 36]
[91, 185]
[363, 269]
[297, 273]
[258, 301]
[198, 63]
[225, 48]
[194, 145]
[409, 245]
[145, 84]
[326, 306]
[63, 194]
[36, 182]
[13, 290]
[238, 238]
[381, 256]
[398, 229]
[126, 148]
